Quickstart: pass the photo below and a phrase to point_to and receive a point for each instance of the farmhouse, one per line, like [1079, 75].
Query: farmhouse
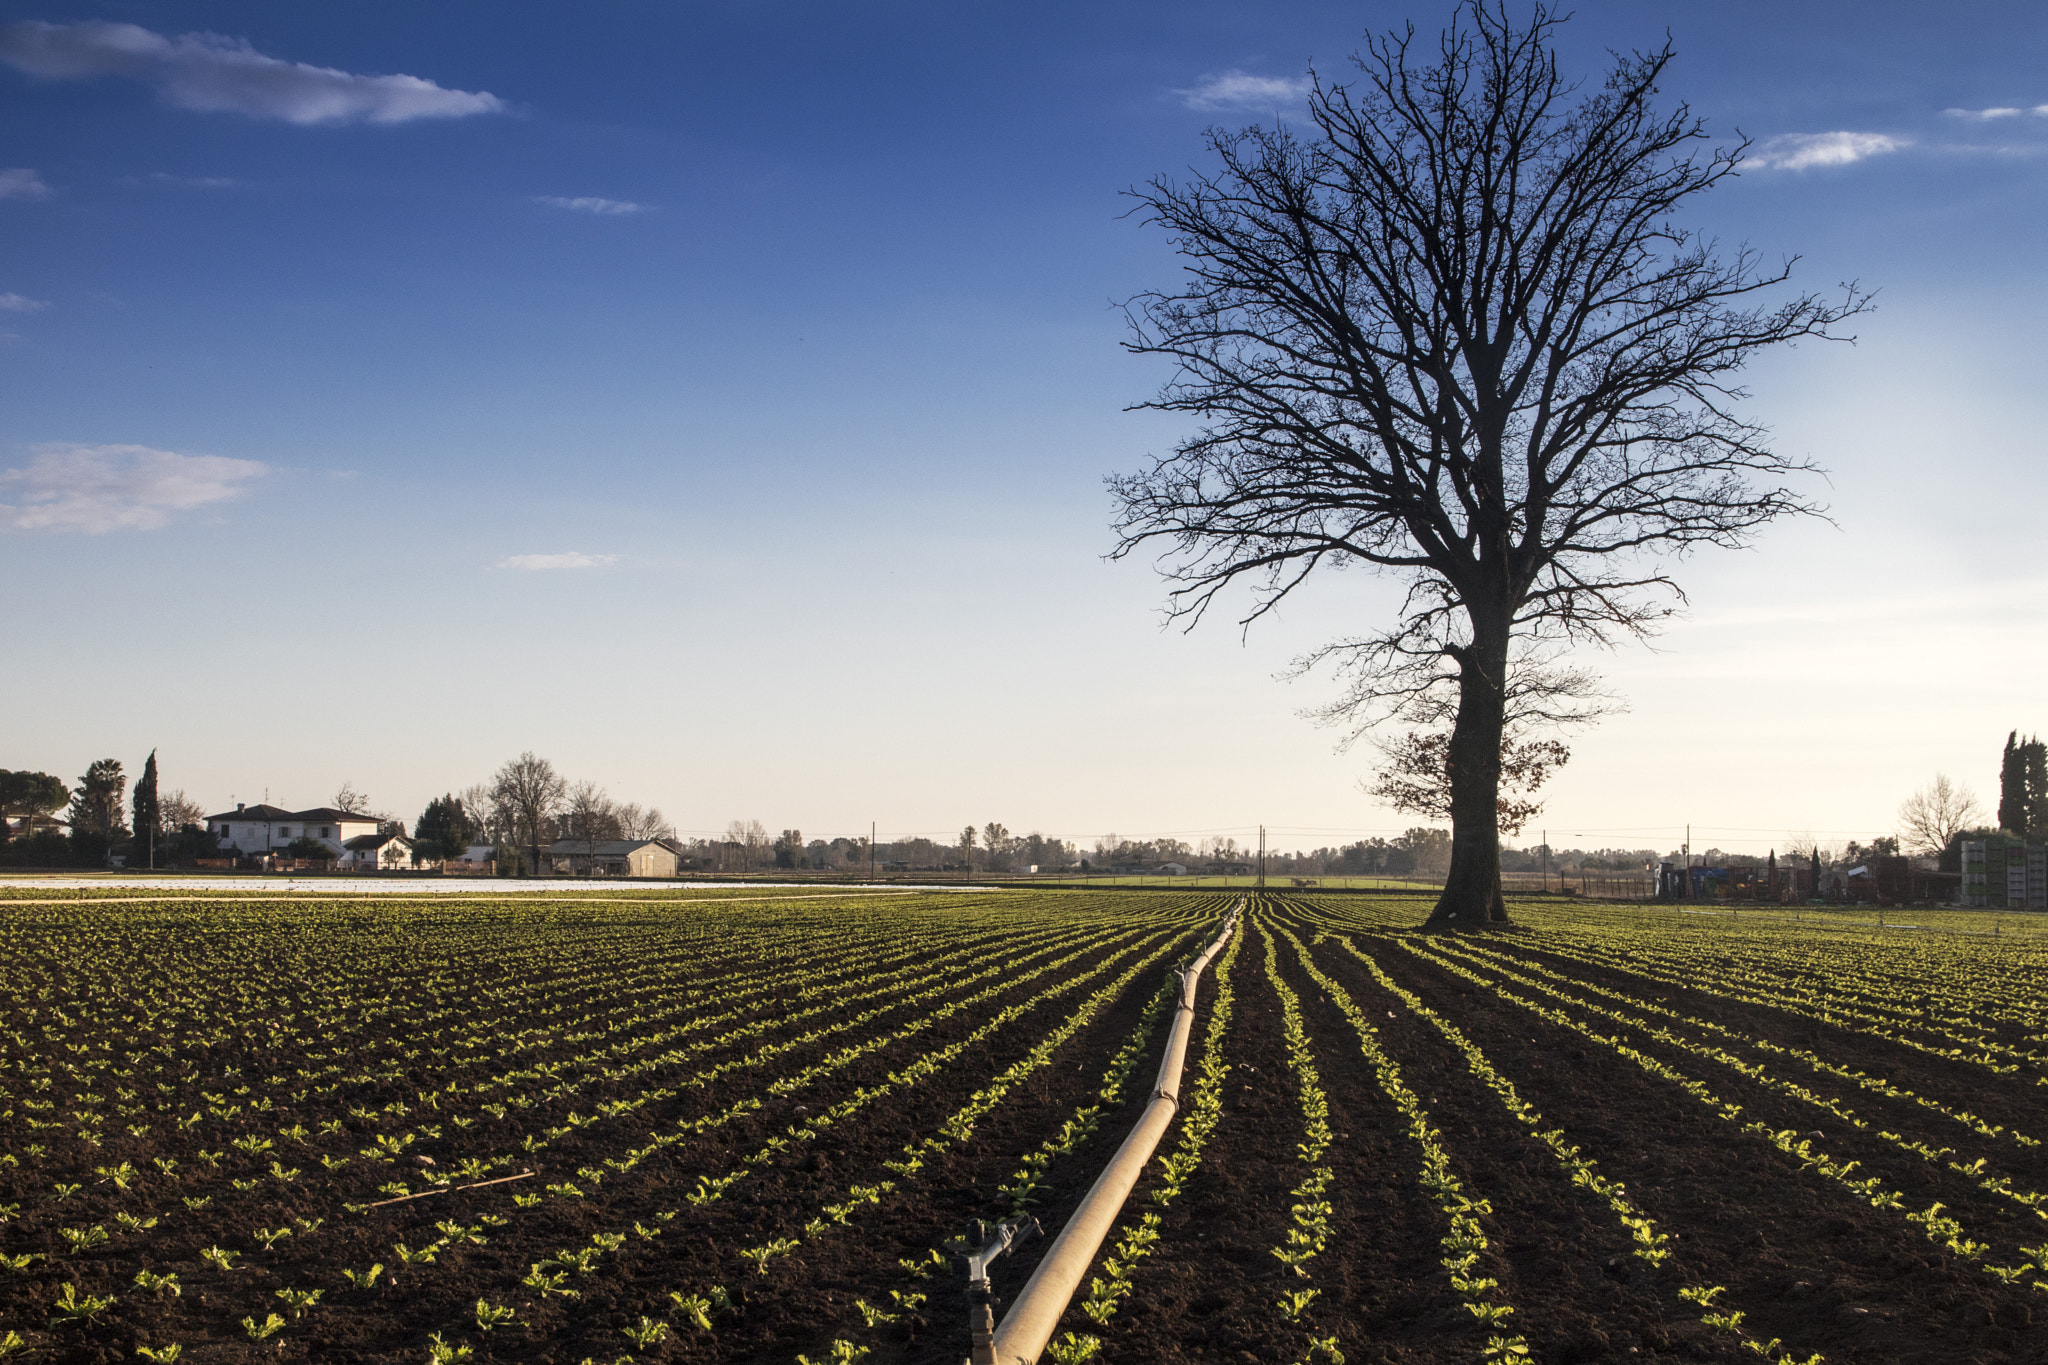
[376, 853]
[256, 830]
[612, 858]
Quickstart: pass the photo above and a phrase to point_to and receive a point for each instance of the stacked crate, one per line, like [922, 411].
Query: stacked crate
[2003, 873]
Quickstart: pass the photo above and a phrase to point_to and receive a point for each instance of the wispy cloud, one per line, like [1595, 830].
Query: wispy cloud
[573, 559]
[115, 488]
[192, 182]
[1240, 90]
[22, 183]
[590, 203]
[209, 72]
[21, 303]
[1989, 115]
[1803, 151]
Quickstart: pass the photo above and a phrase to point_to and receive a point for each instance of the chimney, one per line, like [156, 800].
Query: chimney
[239, 807]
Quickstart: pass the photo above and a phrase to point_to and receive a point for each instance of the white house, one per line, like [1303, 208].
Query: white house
[376, 853]
[1174, 869]
[256, 830]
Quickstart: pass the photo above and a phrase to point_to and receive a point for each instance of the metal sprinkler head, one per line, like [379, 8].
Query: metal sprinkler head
[972, 1256]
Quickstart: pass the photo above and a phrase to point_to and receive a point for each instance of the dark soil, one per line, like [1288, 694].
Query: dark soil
[1808, 1262]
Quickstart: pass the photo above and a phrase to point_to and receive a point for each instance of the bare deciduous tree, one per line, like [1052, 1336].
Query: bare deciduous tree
[1935, 814]
[528, 791]
[350, 800]
[177, 810]
[636, 822]
[752, 838]
[592, 819]
[1456, 336]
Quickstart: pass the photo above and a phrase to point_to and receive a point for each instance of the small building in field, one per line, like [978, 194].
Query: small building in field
[612, 858]
[1173, 869]
[376, 853]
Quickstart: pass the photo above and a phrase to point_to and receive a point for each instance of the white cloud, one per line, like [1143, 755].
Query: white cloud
[1242, 90]
[22, 183]
[573, 559]
[1987, 115]
[115, 488]
[1800, 151]
[206, 71]
[20, 303]
[592, 204]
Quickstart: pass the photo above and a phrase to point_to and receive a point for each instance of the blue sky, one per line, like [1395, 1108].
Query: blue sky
[715, 398]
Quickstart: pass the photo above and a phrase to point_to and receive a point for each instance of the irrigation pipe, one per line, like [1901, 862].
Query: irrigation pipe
[1036, 1314]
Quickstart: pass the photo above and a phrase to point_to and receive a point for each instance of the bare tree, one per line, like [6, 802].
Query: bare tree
[592, 819]
[1457, 337]
[528, 791]
[177, 810]
[751, 836]
[349, 800]
[1935, 814]
[638, 823]
[478, 805]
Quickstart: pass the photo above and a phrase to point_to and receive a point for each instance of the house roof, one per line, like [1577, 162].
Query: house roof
[603, 848]
[363, 843]
[273, 814]
[256, 813]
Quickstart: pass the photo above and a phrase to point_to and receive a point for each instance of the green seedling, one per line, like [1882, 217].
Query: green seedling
[299, 1300]
[220, 1258]
[695, 1309]
[363, 1279]
[440, 1352]
[271, 1325]
[83, 1239]
[488, 1317]
[70, 1306]
[163, 1355]
[159, 1285]
[270, 1237]
[645, 1333]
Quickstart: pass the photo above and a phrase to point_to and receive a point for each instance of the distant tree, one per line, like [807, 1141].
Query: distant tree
[789, 849]
[148, 823]
[1431, 849]
[28, 795]
[1930, 817]
[2034, 788]
[305, 846]
[350, 800]
[752, 838]
[96, 812]
[445, 829]
[636, 822]
[1453, 330]
[176, 810]
[528, 791]
[1417, 776]
[591, 819]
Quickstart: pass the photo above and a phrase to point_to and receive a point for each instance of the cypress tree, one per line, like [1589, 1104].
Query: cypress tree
[2034, 763]
[148, 822]
[2012, 787]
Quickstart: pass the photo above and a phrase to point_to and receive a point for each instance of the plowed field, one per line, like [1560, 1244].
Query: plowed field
[738, 1128]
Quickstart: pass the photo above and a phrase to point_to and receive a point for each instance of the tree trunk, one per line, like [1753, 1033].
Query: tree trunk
[1471, 898]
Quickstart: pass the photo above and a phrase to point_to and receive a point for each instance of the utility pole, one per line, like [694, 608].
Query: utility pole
[1262, 858]
[1546, 862]
[871, 850]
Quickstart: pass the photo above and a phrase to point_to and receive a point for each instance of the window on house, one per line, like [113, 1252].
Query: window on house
[284, 831]
[323, 831]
